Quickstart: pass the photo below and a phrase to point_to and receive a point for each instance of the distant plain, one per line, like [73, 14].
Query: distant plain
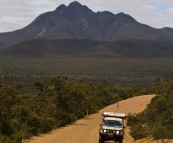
[116, 70]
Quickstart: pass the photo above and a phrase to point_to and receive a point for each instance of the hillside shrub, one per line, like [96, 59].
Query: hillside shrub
[139, 132]
[53, 104]
[158, 117]
[7, 128]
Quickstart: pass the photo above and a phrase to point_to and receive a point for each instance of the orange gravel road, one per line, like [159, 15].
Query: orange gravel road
[86, 130]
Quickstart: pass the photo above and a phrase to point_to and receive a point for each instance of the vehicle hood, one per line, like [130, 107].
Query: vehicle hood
[111, 128]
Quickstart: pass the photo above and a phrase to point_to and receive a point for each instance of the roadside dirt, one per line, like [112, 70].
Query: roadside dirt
[86, 130]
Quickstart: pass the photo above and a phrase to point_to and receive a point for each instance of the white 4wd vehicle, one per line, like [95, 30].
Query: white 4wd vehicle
[112, 127]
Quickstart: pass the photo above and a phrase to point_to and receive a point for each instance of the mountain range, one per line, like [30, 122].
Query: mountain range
[130, 48]
[77, 21]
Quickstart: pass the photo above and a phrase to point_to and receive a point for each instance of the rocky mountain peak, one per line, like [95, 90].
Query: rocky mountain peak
[126, 16]
[61, 7]
[77, 6]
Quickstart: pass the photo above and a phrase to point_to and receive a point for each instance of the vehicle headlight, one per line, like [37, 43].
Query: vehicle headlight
[119, 132]
[103, 130]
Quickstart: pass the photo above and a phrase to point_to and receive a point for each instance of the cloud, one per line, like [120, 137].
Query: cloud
[16, 14]
[169, 13]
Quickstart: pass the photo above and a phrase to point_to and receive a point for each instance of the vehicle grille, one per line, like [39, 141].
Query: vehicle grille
[110, 131]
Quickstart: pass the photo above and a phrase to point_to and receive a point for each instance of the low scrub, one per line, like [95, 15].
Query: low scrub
[157, 119]
[56, 103]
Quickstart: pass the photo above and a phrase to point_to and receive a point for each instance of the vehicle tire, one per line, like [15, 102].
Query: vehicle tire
[101, 140]
[120, 140]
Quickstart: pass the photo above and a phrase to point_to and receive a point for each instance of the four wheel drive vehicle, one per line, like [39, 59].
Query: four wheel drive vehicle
[112, 127]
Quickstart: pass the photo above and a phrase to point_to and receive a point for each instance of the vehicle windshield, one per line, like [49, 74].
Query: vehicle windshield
[112, 123]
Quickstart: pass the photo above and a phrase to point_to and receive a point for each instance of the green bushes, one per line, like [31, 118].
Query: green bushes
[132, 120]
[5, 139]
[138, 132]
[157, 119]
[56, 103]
[138, 129]
[47, 124]
[7, 128]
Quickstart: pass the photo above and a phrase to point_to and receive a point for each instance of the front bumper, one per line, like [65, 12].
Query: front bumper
[111, 134]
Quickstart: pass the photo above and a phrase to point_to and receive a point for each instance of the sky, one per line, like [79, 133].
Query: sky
[16, 14]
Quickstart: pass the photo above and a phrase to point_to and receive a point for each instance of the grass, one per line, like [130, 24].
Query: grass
[122, 71]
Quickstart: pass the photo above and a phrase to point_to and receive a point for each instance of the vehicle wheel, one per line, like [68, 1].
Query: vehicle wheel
[120, 140]
[101, 140]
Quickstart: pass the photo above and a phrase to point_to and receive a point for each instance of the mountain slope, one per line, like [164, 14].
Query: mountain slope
[141, 48]
[78, 21]
[43, 47]
[90, 48]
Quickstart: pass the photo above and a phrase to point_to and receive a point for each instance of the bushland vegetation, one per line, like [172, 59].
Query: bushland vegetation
[157, 119]
[53, 103]
[116, 70]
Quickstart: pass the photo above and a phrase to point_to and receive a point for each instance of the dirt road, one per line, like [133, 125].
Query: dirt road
[86, 130]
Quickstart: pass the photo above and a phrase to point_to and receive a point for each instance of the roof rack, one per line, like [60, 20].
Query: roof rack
[114, 114]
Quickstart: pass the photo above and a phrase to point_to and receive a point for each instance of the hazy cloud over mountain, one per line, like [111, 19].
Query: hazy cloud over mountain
[19, 13]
